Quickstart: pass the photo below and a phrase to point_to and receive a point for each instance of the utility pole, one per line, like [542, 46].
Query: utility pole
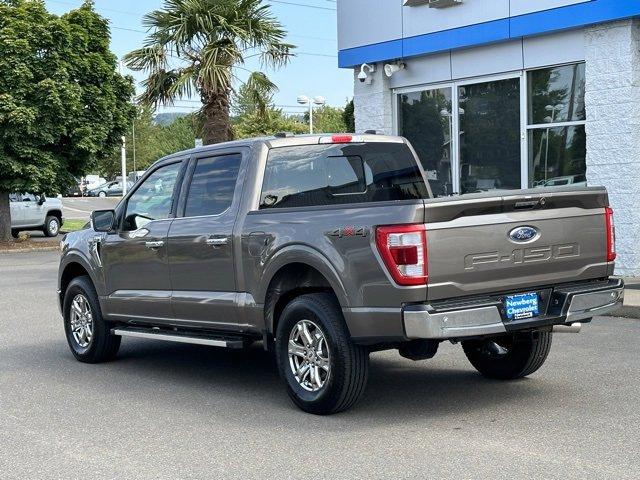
[133, 139]
[124, 166]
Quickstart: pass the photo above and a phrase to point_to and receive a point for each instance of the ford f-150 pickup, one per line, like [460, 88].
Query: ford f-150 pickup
[329, 247]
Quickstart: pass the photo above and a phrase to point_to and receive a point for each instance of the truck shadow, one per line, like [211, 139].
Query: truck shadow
[397, 388]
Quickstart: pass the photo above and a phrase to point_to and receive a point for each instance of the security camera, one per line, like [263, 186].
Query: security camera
[362, 76]
[391, 68]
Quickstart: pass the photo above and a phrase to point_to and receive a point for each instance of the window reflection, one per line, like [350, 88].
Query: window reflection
[557, 153]
[557, 156]
[489, 122]
[556, 94]
[426, 121]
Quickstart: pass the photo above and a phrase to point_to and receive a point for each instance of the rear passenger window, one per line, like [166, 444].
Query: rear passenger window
[340, 174]
[212, 186]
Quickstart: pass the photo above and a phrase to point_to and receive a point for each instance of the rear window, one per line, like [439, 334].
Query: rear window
[336, 174]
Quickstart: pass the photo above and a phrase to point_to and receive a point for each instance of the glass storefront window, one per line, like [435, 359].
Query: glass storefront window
[425, 120]
[557, 156]
[557, 152]
[478, 132]
[556, 94]
[489, 128]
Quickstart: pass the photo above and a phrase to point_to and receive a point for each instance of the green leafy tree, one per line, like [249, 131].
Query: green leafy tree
[348, 117]
[195, 46]
[255, 115]
[153, 141]
[327, 119]
[63, 106]
[253, 125]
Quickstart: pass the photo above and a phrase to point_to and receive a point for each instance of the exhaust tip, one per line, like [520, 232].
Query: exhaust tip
[571, 328]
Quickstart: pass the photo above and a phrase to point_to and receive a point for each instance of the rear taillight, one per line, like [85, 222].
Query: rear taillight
[611, 234]
[403, 249]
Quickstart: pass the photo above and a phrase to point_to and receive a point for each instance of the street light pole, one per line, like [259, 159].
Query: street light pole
[304, 100]
[124, 165]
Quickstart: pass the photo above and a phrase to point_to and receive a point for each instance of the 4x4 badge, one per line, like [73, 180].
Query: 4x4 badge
[348, 232]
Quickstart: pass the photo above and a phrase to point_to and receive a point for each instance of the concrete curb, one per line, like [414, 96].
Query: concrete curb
[628, 311]
[47, 248]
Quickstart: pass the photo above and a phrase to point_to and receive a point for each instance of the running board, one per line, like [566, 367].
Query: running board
[180, 337]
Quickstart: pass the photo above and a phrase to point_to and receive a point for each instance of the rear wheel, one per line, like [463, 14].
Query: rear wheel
[88, 335]
[509, 356]
[51, 226]
[15, 233]
[325, 372]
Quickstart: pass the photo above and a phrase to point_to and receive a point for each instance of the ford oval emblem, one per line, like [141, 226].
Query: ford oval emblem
[523, 234]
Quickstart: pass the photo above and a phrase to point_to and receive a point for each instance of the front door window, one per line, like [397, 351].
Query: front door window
[153, 199]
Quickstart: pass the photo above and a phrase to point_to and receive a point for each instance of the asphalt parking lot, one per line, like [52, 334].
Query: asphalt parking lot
[81, 207]
[178, 411]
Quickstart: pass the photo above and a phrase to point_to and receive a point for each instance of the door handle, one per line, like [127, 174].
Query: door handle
[154, 245]
[217, 241]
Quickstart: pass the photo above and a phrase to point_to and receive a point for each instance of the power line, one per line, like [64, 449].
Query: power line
[303, 5]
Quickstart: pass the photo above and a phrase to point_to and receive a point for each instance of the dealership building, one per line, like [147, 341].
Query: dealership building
[497, 94]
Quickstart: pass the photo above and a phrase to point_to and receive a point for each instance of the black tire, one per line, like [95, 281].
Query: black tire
[15, 233]
[51, 226]
[348, 362]
[103, 346]
[525, 353]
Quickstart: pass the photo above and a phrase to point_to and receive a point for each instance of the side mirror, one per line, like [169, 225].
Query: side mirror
[103, 220]
[41, 199]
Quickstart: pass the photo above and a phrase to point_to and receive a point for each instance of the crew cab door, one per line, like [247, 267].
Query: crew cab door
[32, 212]
[17, 212]
[134, 258]
[200, 243]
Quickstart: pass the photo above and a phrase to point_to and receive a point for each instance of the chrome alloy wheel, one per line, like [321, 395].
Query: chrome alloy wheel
[53, 227]
[309, 355]
[81, 321]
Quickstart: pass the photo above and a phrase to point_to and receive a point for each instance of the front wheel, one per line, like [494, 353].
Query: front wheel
[102, 194]
[51, 226]
[325, 372]
[88, 335]
[508, 357]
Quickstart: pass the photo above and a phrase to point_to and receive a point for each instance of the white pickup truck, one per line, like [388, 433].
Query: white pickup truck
[35, 212]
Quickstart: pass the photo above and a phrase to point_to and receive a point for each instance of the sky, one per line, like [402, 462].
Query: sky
[312, 28]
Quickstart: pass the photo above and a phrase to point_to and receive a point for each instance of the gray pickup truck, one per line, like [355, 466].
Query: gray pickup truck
[35, 212]
[330, 247]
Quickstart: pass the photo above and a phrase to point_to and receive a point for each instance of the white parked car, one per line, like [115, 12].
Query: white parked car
[35, 212]
[92, 181]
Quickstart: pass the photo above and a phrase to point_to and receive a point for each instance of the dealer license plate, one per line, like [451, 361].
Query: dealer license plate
[521, 306]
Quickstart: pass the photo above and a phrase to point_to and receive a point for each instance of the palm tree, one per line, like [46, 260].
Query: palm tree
[197, 45]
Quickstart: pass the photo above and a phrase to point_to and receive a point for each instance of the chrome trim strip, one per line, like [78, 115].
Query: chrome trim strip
[457, 323]
[169, 338]
[587, 305]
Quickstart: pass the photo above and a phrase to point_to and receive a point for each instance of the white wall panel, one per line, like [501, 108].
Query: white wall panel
[520, 7]
[564, 47]
[422, 19]
[365, 22]
[487, 60]
[428, 69]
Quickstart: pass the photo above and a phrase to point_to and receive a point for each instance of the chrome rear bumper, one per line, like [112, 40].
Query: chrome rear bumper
[568, 304]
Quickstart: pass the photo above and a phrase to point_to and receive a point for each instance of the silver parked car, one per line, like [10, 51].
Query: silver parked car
[35, 212]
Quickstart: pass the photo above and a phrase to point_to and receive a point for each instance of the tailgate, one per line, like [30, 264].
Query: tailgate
[496, 242]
